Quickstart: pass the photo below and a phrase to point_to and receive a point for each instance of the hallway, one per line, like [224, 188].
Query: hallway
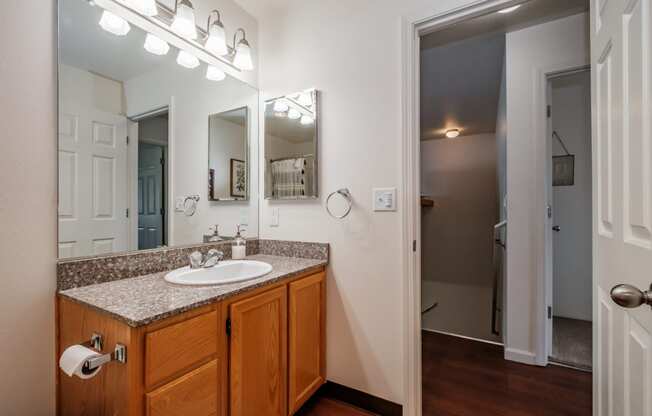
[467, 378]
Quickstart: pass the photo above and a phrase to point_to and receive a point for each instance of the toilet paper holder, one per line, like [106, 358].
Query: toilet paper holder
[96, 342]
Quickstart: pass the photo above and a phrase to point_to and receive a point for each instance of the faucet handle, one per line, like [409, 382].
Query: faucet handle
[216, 229]
[213, 257]
[196, 259]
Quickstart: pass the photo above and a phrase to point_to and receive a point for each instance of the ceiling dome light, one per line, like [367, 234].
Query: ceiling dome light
[156, 45]
[216, 42]
[184, 19]
[510, 9]
[452, 133]
[145, 7]
[305, 99]
[213, 73]
[307, 120]
[114, 24]
[187, 60]
[242, 59]
[281, 106]
[294, 114]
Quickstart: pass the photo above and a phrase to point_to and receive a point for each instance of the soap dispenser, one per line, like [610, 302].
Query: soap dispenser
[239, 247]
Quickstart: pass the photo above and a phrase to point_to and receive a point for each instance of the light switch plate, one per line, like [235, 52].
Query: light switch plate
[273, 222]
[384, 199]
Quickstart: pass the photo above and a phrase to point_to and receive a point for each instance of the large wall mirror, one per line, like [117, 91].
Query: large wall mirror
[291, 144]
[136, 121]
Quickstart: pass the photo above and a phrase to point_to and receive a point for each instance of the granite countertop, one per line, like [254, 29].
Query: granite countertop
[139, 301]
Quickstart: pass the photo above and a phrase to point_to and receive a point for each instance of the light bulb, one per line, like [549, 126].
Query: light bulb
[452, 133]
[146, 7]
[184, 20]
[306, 120]
[294, 114]
[305, 99]
[114, 24]
[216, 43]
[156, 45]
[213, 73]
[242, 58]
[281, 106]
[509, 9]
[187, 60]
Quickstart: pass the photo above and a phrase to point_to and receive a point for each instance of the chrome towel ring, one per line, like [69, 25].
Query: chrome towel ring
[344, 192]
[190, 205]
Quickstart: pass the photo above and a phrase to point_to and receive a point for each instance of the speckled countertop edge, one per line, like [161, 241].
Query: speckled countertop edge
[142, 300]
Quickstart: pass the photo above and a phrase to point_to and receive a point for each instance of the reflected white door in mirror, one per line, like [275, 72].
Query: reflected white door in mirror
[137, 124]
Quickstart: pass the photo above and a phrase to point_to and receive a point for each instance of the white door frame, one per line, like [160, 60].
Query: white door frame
[548, 255]
[412, 29]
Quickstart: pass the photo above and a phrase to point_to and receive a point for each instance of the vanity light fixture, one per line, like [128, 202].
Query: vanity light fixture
[294, 114]
[216, 42]
[213, 73]
[509, 9]
[305, 99]
[242, 58]
[187, 60]
[452, 133]
[144, 7]
[281, 106]
[184, 19]
[307, 120]
[114, 24]
[156, 45]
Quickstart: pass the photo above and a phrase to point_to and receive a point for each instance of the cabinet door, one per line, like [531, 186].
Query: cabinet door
[195, 394]
[307, 339]
[258, 370]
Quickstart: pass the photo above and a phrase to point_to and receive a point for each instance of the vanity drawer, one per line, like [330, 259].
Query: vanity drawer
[194, 394]
[178, 348]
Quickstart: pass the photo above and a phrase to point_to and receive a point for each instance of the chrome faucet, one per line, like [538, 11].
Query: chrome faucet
[212, 258]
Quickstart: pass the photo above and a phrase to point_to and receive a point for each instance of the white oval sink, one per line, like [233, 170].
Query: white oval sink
[227, 271]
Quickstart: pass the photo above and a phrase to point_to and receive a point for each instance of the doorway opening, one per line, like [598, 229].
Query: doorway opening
[569, 241]
[482, 156]
[151, 166]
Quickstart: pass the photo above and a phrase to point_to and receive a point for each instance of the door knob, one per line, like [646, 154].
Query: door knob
[556, 228]
[629, 296]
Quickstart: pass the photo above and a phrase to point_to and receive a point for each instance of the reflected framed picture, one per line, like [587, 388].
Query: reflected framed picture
[563, 170]
[238, 178]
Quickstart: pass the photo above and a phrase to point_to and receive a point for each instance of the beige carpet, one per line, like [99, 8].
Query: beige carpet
[572, 342]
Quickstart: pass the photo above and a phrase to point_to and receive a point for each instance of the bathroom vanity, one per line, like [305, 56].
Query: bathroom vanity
[251, 348]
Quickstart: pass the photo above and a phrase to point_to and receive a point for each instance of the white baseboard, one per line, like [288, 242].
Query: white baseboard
[520, 356]
[500, 344]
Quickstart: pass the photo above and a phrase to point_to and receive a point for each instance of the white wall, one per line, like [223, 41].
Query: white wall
[28, 212]
[192, 100]
[531, 53]
[457, 233]
[572, 257]
[351, 52]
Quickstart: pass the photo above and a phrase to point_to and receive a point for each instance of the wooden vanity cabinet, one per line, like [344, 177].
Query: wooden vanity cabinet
[260, 353]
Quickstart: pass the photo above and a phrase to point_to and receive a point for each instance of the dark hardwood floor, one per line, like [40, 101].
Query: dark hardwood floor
[469, 378]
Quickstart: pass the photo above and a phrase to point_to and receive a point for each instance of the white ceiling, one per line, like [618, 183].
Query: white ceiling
[460, 85]
[461, 67]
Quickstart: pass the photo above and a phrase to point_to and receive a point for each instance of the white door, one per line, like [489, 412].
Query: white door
[622, 224]
[92, 182]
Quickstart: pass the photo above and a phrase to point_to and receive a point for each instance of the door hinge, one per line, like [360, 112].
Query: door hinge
[127, 212]
[549, 111]
[162, 211]
[228, 326]
[163, 161]
[127, 140]
[414, 245]
[549, 211]
[549, 312]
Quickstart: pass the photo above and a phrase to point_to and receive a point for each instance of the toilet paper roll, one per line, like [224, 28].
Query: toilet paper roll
[73, 358]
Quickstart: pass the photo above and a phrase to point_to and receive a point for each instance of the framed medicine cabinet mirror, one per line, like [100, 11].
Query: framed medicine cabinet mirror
[139, 117]
[291, 145]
